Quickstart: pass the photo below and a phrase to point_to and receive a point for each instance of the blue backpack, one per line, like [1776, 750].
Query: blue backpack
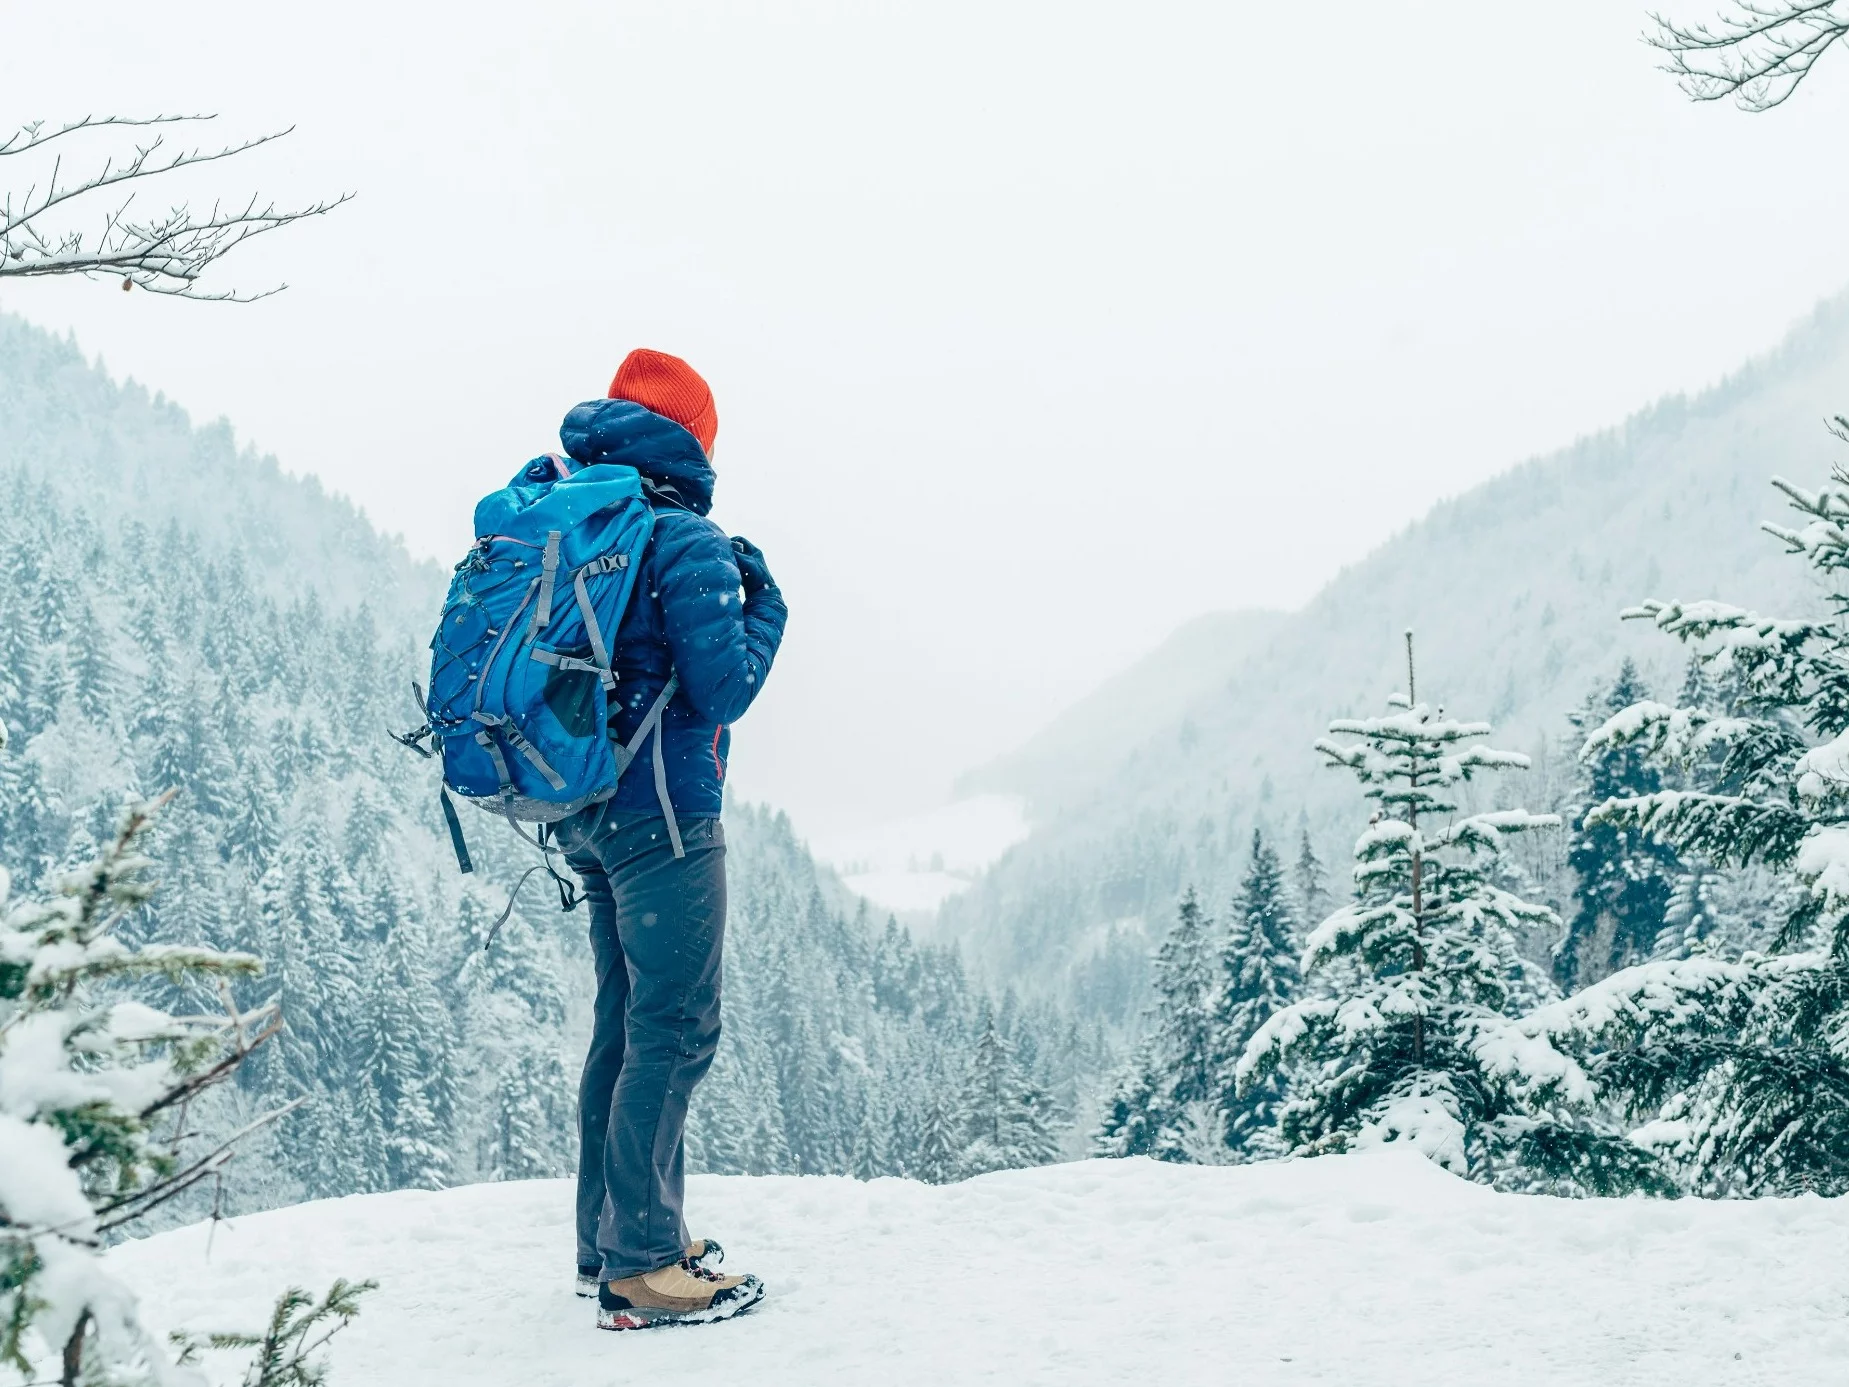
[520, 673]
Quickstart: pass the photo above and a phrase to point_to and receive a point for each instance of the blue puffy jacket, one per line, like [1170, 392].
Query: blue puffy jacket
[686, 614]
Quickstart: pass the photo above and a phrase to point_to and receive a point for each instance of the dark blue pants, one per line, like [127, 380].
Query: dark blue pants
[657, 934]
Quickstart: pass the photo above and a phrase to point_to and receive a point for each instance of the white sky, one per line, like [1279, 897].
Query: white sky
[1035, 328]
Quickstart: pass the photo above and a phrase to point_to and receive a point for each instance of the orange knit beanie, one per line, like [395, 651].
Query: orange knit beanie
[671, 388]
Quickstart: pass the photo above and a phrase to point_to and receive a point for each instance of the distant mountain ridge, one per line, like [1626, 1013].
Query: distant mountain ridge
[1074, 754]
[1514, 589]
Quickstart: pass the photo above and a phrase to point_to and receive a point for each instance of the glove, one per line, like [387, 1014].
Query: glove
[753, 572]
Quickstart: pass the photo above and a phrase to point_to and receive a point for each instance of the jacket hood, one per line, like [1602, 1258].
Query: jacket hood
[617, 431]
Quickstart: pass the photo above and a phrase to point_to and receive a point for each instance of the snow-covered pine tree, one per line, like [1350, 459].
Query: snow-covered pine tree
[1007, 1120]
[1412, 1041]
[1259, 977]
[1742, 1062]
[1624, 876]
[938, 1156]
[1174, 1064]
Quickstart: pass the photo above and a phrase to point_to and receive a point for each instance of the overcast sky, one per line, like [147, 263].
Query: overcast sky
[1035, 329]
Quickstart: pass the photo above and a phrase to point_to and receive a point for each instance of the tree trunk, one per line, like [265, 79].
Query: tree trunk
[73, 1353]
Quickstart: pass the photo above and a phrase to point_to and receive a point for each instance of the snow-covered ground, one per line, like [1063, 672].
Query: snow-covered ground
[915, 864]
[1355, 1270]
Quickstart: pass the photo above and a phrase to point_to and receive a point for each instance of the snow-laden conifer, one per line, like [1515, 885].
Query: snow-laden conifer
[1742, 1062]
[1411, 1037]
[1259, 977]
[1174, 1065]
[937, 1158]
[1007, 1119]
[1624, 876]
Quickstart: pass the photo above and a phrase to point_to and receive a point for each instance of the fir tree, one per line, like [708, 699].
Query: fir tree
[870, 1157]
[1745, 1057]
[1412, 1041]
[1625, 877]
[1007, 1117]
[1175, 1064]
[938, 1158]
[1258, 978]
[95, 680]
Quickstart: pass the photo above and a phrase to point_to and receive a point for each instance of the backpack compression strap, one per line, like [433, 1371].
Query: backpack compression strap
[548, 577]
[626, 755]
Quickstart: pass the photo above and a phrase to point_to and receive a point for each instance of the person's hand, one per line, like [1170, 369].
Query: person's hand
[752, 570]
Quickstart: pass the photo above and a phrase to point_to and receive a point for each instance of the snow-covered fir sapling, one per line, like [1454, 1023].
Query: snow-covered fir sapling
[1744, 1062]
[1009, 1120]
[1410, 1038]
[94, 1092]
[1173, 1068]
[1259, 977]
[938, 1159]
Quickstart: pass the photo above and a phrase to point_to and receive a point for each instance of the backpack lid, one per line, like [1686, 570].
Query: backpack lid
[539, 500]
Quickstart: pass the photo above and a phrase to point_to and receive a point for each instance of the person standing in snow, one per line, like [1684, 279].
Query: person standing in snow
[657, 915]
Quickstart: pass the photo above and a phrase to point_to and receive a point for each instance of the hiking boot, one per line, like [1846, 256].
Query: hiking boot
[674, 1295]
[702, 1255]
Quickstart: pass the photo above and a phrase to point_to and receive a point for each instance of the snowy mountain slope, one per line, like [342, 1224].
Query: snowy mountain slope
[1080, 748]
[1514, 590]
[125, 456]
[1376, 1269]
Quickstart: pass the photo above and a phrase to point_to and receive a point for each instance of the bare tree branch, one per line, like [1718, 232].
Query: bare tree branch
[38, 132]
[130, 1207]
[163, 252]
[1756, 53]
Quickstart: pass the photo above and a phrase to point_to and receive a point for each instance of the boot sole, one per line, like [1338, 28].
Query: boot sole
[660, 1319]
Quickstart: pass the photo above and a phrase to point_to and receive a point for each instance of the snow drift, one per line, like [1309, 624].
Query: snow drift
[1377, 1269]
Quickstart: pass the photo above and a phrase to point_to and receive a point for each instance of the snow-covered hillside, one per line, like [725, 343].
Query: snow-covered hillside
[1366, 1271]
[1515, 590]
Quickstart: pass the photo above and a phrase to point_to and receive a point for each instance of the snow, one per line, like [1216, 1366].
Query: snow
[1824, 770]
[1375, 1269]
[38, 1188]
[1425, 1122]
[1823, 860]
[1672, 991]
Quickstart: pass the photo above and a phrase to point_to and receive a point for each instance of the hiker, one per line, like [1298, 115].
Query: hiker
[652, 857]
